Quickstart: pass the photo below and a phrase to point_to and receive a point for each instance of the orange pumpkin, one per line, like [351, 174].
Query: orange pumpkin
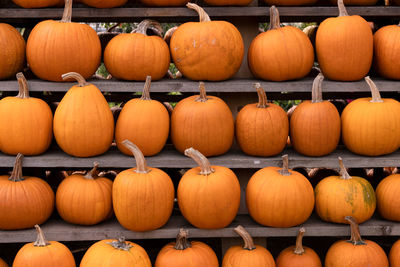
[184, 253]
[262, 128]
[145, 122]
[315, 125]
[26, 123]
[58, 47]
[344, 46]
[12, 51]
[394, 255]
[248, 254]
[357, 2]
[290, 2]
[207, 50]
[24, 201]
[279, 197]
[36, 3]
[371, 126]
[83, 121]
[298, 256]
[44, 253]
[280, 54]
[387, 198]
[208, 196]
[356, 251]
[3, 263]
[104, 3]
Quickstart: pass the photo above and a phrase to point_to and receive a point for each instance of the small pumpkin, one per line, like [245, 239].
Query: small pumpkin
[36, 3]
[44, 253]
[387, 198]
[3, 263]
[104, 3]
[247, 255]
[12, 51]
[290, 2]
[208, 196]
[184, 253]
[394, 255]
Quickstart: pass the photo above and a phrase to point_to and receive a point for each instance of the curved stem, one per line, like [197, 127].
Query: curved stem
[316, 95]
[376, 96]
[262, 97]
[146, 89]
[120, 244]
[76, 76]
[22, 86]
[16, 174]
[285, 166]
[274, 19]
[169, 33]
[355, 232]
[67, 11]
[93, 173]
[342, 9]
[299, 250]
[41, 240]
[201, 160]
[141, 166]
[113, 27]
[343, 172]
[202, 14]
[248, 240]
[203, 94]
[182, 241]
[146, 24]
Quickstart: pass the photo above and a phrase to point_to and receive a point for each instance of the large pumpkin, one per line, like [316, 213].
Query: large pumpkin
[280, 54]
[207, 50]
[184, 253]
[315, 125]
[44, 253]
[371, 126]
[387, 197]
[12, 51]
[262, 128]
[344, 46]
[208, 196]
[58, 47]
[356, 251]
[83, 121]
[344, 195]
[279, 197]
[104, 3]
[143, 197]
[24, 201]
[204, 123]
[36, 3]
[290, 2]
[26, 123]
[394, 255]
[247, 255]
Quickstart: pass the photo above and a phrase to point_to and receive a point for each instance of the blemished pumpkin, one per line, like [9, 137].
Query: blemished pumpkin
[208, 196]
[262, 128]
[387, 198]
[394, 255]
[143, 197]
[281, 53]
[204, 123]
[207, 50]
[36, 3]
[247, 255]
[111, 252]
[357, 2]
[356, 251]
[58, 47]
[12, 51]
[3, 263]
[344, 46]
[134, 56]
[339, 196]
[371, 126]
[83, 122]
[143, 121]
[104, 3]
[290, 2]
[44, 253]
[26, 123]
[185, 253]
[24, 201]
[279, 197]
[299, 255]
[315, 125]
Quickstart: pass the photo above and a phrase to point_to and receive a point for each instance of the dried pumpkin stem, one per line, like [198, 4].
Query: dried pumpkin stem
[285, 166]
[182, 241]
[67, 11]
[120, 244]
[93, 173]
[316, 94]
[202, 14]
[203, 94]
[248, 240]
[141, 166]
[376, 96]
[343, 172]
[23, 86]
[146, 89]
[201, 160]
[274, 19]
[41, 240]
[153, 25]
[342, 9]
[76, 76]
[16, 174]
[299, 250]
[262, 97]
[169, 33]
[355, 232]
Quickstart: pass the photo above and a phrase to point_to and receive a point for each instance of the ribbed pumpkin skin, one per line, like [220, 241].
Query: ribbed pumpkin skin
[394, 255]
[35, 3]
[164, 2]
[12, 51]
[101, 254]
[290, 2]
[387, 198]
[357, 2]
[387, 52]
[227, 2]
[236, 256]
[104, 3]
[288, 259]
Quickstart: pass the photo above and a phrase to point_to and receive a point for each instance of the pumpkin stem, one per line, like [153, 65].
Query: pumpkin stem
[203, 94]
[146, 89]
[376, 96]
[182, 241]
[262, 97]
[201, 160]
[342, 9]
[355, 232]
[41, 240]
[146, 24]
[343, 172]
[67, 11]
[113, 27]
[316, 93]
[248, 240]
[16, 174]
[93, 173]
[120, 244]
[285, 166]
[169, 33]
[202, 14]
[74, 75]
[299, 250]
[23, 86]
[141, 166]
[274, 19]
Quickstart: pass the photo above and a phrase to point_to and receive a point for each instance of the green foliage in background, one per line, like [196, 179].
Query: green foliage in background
[301, 25]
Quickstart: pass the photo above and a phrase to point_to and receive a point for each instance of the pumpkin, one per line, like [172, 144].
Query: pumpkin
[387, 197]
[83, 121]
[227, 2]
[143, 197]
[357, 2]
[26, 123]
[298, 256]
[279, 197]
[110, 252]
[143, 121]
[58, 47]
[371, 126]
[394, 255]
[12, 51]
[203, 122]
[3, 263]
[247, 255]
[280, 54]
[24, 201]
[134, 56]
[344, 46]
[167, 3]
[36, 3]
[356, 251]
[104, 3]
[262, 128]
[208, 196]
[290, 2]
[44, 253]
[315, 125]
[207, 50]
[184, 253]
